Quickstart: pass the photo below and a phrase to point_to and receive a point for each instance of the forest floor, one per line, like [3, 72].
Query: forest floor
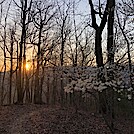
[40, 119]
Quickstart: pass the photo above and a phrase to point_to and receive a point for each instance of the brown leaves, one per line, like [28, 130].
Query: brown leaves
[38, 119]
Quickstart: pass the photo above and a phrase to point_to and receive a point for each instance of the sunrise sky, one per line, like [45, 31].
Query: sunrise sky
[83, 8]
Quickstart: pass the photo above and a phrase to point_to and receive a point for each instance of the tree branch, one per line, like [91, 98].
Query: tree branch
[94, 24]
[104, 18]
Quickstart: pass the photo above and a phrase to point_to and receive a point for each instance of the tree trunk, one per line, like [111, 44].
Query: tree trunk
[98, 48]
[37, 86]
[22, 44]
[110, 40]
[110, 49]
[11, 69]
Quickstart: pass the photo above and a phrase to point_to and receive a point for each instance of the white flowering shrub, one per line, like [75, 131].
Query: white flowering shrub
[86, 79]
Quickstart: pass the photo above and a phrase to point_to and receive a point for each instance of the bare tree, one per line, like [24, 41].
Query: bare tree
[11, 52]
[4, 48]
[24, 7]
[99, 29]
[42, 15]
[86, 48]
[63, 24]
[98, 47]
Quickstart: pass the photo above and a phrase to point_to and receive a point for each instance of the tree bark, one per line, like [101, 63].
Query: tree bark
[110, 40]
[98, 48]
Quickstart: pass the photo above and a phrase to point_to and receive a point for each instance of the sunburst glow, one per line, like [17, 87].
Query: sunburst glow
[27, 66]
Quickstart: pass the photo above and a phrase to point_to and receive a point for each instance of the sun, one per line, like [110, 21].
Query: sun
[27, 66]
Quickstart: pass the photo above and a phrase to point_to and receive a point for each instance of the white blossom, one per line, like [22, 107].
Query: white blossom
[86, 78]
[129, 96]
[115, 90]
[119, 99]
[121, 90]
[130, 89]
